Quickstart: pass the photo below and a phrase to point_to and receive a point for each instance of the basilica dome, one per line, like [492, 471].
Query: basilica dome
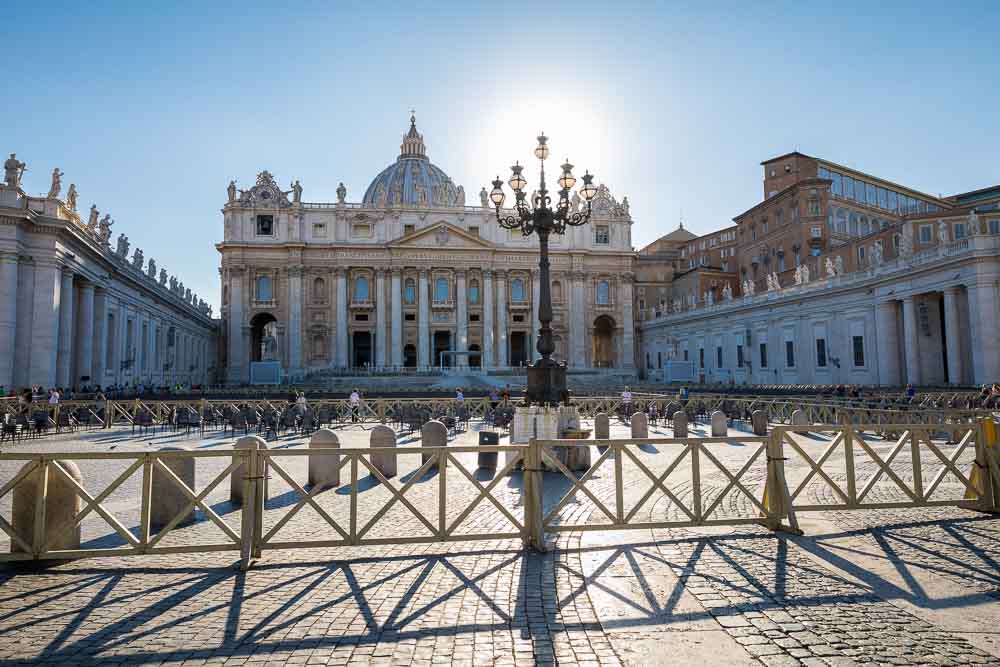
[412, 181]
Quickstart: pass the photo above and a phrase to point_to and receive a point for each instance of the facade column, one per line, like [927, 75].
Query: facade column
[25, 344]
[236, 358]
[342, 321]
[502, 345]
[983, 321]
[122, 354]
[488, 343]
[628, 323]
[97, 364]
[395, 287]
[577, 332]
[536, 288]
[294, 320]
[8, 318]
[887, 343]
[64, 358]
[423, 323]
[85, 335]
[953, 335]
[462, 313]
[380, 318]
[910, 341]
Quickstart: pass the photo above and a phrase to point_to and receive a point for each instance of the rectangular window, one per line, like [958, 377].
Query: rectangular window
[701, 357]
[659, 360]
[265, 225]
[474, 317]
[763, 355]
[410, 317]
[408, 229]
[994, 226]
[820, 353]
[959, 230]
[474, 230]
[763, 229]
[861, 254]
[926, 234]
[893, 200]
[848, 187]
[883, 198]
[837, 186]
[519, 318]
[739, 356]
[859, 350]
[602, 235]
[789, 354]
[872, 193]
[685, 355]
[361, 317]
[319, 230]
[718, 357]
[817, 232]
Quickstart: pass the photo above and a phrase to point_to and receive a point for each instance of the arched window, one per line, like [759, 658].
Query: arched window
[517, 291]
[557, 291]
[841, 221]
[441, 289]
[319, 289]
[264, 288]
[603, 293]
[361, 290]
[865, 227]
[474, 291]
[854, 224]
[410, 291]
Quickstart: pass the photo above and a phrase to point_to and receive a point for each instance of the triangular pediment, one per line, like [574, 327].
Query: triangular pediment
[441, 235]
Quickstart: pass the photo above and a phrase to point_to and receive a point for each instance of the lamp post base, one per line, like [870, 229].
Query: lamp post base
[547, 383]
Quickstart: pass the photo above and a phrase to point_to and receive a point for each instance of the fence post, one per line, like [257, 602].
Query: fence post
[533, 496]
[852, 481]
[248, 523]
[777, 500]
[986, 470]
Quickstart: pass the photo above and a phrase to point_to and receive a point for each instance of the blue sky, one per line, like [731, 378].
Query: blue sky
[151, 109]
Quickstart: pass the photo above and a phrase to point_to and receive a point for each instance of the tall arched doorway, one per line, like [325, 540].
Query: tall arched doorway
[603, 350]
[264, 338]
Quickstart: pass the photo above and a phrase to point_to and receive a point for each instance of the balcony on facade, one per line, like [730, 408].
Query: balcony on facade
[264, 303]
[442, 304]
[519, 306]
[362, 304]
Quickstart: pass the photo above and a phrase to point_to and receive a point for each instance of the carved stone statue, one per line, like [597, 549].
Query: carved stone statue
[877, 253]
[972, 226]
[798, 275]
[484, 198]
[574, 202]
[805, 273]
[56, 183]
[173, 283]
[187, 294]
[942, 232]
[137, 259]
[397, 194]
[906, 241]
[105, 226]
[441, 196]
[421, 193]
[831, 270]
[677, 305]
[380, 195]
[751, 287]
[709, 299]
[180, 289]
[231, 191]
[840, 265]
[151, 269]
[296, 192]
[122, 248]
[727, 292]
[460, 196]
[13, 170]
[92, 220]
[71, 197]
[163, 277]
[625, 207]
[341, 193]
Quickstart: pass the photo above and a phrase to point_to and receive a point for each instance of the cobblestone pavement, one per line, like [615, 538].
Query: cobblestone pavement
[915, 586]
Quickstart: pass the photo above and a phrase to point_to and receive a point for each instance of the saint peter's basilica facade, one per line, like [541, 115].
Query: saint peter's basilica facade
[411, 277]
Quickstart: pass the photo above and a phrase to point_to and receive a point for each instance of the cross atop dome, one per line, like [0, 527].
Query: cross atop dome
[413, 142]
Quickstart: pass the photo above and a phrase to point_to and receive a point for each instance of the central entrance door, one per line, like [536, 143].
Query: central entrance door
[519, 349]
[362, 347]
[442, 343]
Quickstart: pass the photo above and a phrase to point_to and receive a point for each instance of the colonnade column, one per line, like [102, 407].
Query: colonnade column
[64, 358]
[462, 313]
[953, 335]
[910, 341]
[85, 334]
[887, 343]
[342, 322]
[501, 341]
[536, 288]
[577, 325]
[423, 322]
[45, 324]
[294, 319]
[100, 344]
[8, 317]
[984, 320]
[397, 318]
[628, 325]
[380, 318]
[488, 356]
[235, 360]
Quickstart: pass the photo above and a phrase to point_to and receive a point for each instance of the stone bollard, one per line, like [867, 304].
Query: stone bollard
[799, 418]
[62, 505]
[680, 424]
[432, 434]
[236, 479]
[324, 469]
[383, 436]
[758, 418]
[166, 499]
[640, 425]
[719, 427]
[602, 427]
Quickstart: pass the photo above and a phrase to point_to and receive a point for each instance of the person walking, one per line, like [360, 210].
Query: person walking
[627, 402]
[355, 405]
[54, 403]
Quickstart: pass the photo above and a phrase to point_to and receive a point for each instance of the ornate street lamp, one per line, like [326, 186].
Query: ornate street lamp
[546, 377]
